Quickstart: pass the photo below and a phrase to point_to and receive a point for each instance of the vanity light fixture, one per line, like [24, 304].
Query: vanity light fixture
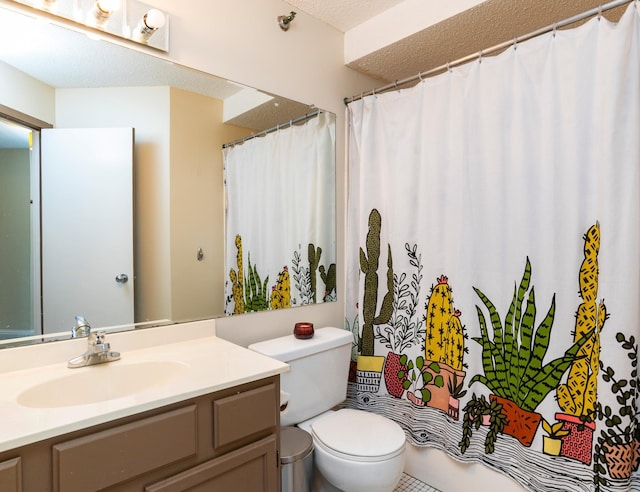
[284, 21]
[128, 19]
[149, 24]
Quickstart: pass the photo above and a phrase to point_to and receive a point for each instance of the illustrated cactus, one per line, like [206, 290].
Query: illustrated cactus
[314, 255]
[444, 331]
[369, 266]
[255, 290]
[281, 292]
[578, 396]
[329, 279]
[237, 280]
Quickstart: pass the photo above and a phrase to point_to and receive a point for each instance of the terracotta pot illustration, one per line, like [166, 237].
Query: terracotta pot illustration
[392, 366]
[353, 371]
[622, 459]
[551, 445]
[416, 400]
[454, 408]
[369, 372]
[440, 395]
[521, 424]
[577, 444]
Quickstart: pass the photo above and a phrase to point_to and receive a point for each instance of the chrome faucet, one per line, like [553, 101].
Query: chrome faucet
[98, 352]
[82, 328]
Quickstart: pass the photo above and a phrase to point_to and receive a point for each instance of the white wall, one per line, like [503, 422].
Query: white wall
[26, 94]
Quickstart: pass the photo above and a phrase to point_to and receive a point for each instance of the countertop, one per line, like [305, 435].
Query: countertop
[208, 364]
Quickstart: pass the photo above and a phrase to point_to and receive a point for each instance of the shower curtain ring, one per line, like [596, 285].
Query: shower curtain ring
[515, 43]
[420, 76]
[599, 11]
[396, 84]
[555, 29]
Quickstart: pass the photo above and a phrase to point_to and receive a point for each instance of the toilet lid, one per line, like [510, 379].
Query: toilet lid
[359, 435]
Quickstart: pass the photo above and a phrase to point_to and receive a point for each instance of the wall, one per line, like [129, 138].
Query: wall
[197, 204]
[26, 94]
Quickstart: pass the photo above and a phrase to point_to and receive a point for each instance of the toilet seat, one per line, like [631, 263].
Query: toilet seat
[358, 435]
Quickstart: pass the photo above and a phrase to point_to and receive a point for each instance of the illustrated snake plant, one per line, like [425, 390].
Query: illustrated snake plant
[513, 359]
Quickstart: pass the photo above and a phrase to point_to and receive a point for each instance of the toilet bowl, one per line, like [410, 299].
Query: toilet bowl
[356, 451]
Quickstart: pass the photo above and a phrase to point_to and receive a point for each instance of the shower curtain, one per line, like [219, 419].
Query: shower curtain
[280, 218]
[493, 274]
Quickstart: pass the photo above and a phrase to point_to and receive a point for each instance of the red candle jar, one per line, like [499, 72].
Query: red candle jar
[303, 331]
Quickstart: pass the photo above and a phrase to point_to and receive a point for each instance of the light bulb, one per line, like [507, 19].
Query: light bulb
[150, 23]
[103, 9]
[108, 6]
[154, 19]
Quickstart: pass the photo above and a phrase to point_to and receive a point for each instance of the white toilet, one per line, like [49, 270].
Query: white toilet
[354, 450]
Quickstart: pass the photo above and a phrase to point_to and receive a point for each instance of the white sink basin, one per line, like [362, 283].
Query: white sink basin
[101, 382]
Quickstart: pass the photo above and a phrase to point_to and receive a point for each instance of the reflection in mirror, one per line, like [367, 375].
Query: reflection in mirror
[280, 218]
[56, 78]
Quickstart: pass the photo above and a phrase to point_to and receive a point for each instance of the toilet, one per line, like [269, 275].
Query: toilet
[354, 450]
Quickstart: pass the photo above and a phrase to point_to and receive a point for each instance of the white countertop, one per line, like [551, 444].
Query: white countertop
[210, 364]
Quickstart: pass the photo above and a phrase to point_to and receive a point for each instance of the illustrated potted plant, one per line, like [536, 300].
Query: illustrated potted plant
[444, 339]
[403, 329]
[480, 411]
[552, 443]
[369, 365]
[618, 446]
[513, 355]
[456, 392]
[577, 398]
[418, 381]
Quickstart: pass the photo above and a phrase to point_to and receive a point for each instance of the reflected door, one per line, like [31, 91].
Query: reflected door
[87, 227]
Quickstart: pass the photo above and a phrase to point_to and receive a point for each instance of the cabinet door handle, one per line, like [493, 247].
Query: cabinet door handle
[122, 278]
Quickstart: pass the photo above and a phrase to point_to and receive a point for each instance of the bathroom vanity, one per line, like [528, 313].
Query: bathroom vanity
[210, 423]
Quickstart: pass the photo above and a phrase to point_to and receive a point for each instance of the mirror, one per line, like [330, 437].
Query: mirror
[181, 119]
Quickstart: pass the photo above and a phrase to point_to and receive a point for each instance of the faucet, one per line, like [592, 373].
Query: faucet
[98, 352]
[82, 328]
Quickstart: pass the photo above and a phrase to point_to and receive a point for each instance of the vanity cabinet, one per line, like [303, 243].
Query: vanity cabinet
[223, 441]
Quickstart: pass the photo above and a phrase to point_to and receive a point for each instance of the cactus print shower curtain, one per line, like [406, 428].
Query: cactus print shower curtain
[493, 273]
[280, 218]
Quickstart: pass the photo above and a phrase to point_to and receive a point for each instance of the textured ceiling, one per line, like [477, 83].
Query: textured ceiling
[478, 28]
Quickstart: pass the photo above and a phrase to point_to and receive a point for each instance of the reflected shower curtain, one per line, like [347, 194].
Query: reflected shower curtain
[493, 274]
[280, 218]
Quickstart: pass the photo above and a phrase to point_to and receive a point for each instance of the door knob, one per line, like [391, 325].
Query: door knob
[122, 278]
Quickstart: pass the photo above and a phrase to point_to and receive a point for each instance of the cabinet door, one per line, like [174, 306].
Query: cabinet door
[253, 467]
[11, 475]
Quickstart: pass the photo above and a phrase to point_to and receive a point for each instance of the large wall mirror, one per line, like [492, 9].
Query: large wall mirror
[59, 186]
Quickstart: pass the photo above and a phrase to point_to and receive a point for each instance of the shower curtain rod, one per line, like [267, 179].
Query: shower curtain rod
[281, 126]
[461, 61]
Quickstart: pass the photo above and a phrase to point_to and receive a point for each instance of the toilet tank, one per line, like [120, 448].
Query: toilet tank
[318, 375]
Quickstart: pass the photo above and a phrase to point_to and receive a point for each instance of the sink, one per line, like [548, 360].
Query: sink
[101, 382]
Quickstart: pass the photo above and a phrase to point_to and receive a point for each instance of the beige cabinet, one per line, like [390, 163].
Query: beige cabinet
[224, 441]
